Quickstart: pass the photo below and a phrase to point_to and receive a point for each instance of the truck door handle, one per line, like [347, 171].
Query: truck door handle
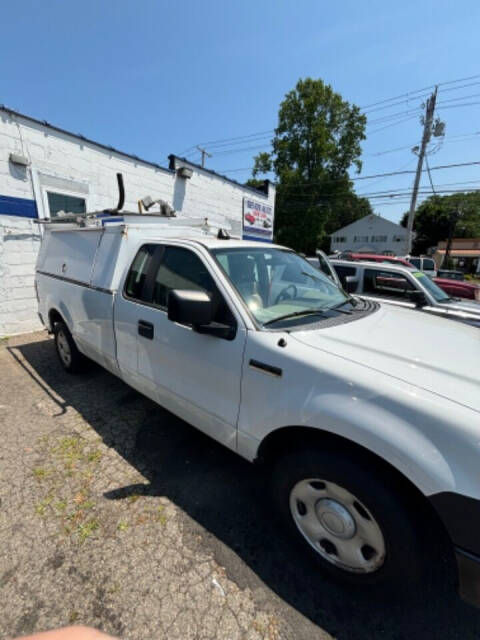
[145, 329]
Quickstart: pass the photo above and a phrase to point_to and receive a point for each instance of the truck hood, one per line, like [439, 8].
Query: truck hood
[441, 356]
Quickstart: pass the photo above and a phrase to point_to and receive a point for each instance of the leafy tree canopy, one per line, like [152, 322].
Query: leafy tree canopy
[316, 142]
[434, 217]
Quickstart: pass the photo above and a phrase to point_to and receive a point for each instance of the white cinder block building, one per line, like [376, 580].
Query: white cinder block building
[45, 169]
[371, 234]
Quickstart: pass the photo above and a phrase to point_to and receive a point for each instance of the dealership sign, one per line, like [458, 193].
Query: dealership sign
[257, 220]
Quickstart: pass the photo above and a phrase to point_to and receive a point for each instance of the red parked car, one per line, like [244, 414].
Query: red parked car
[459, 288]
[374, 257]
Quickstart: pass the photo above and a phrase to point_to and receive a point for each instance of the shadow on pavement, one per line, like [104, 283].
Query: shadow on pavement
[228, 497]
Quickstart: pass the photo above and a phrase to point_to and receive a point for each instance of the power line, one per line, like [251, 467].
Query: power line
[441, 84]
[377, 181]
[463, 137]
[402, 95]
[429, 173]
[403, 120]
[413, 93]
[394, 104]
[230, 151]
[394, 115]
[409, 95]
[380, 196]
[472, 95]
[392, 173]
[454, 106]
[463, 86]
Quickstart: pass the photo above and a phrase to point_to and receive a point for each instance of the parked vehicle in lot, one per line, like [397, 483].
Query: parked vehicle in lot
[466, 290]
[427, 265]
[450, 274]
[373, 257]
[366, 414]
[404, 287]
[459, 288]
[454, 283]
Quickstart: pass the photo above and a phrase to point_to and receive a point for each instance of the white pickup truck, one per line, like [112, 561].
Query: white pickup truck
[367, 415]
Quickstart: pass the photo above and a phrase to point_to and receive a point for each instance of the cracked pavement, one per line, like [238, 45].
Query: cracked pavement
[118, 515]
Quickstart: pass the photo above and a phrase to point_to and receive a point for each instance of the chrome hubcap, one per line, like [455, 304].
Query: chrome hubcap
[337, 525]
[64, 348]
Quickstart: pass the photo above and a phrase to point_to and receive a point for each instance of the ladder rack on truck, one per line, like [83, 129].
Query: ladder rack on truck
[74, 247]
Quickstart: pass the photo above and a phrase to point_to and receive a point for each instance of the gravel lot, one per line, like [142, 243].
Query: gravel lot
[118, 515]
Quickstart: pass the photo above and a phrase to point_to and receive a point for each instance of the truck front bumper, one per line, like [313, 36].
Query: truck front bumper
[469, 576]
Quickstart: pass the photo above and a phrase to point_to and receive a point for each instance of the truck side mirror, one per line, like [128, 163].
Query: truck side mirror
[195, 309]
[189, 307]
[351, 283]
[418, 298]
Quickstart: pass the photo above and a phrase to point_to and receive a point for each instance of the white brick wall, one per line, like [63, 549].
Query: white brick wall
[59, 156]
[19, 243]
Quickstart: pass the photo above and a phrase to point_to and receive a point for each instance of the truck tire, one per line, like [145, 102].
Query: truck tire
[70, 357]
[362, 526]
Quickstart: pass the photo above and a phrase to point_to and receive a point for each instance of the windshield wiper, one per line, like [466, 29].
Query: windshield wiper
[295, 314]
[340, 304]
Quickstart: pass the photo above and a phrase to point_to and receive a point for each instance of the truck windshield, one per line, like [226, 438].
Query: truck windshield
[432, 288]
[277, 284]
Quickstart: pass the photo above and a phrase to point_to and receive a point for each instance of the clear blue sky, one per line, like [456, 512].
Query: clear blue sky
[154, 77]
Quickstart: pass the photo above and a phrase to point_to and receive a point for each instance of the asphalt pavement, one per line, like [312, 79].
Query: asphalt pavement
[116, 514]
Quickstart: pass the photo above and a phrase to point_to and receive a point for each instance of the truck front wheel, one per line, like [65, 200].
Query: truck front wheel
[70, 357]
[361, 526]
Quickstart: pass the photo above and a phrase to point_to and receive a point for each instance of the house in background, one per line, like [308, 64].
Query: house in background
[371, 234]
[464, 254]
[45, 170]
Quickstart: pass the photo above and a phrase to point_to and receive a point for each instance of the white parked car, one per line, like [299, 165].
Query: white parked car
[427, 265]
[368, 415]
[404, 287]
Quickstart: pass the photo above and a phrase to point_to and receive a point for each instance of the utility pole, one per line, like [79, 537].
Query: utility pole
[204, 153]
[427, 132]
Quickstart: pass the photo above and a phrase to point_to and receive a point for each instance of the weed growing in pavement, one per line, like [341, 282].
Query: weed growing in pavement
[40, 473]
[68, 478]
[86, 529]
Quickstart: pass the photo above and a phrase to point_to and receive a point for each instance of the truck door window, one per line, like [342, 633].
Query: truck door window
[386, 284]
[182, 269]
[343, 272]
[135, 284]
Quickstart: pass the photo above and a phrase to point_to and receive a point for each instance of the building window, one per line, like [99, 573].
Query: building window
[340, 239]
[378, 239]
[360, 238]
[62, 202]
[398, 238]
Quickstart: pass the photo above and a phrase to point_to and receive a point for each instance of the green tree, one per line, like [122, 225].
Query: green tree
[316, 142]
[434, 217]
[255, 183]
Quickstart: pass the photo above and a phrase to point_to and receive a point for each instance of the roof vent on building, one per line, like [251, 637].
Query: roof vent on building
[184, 172]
